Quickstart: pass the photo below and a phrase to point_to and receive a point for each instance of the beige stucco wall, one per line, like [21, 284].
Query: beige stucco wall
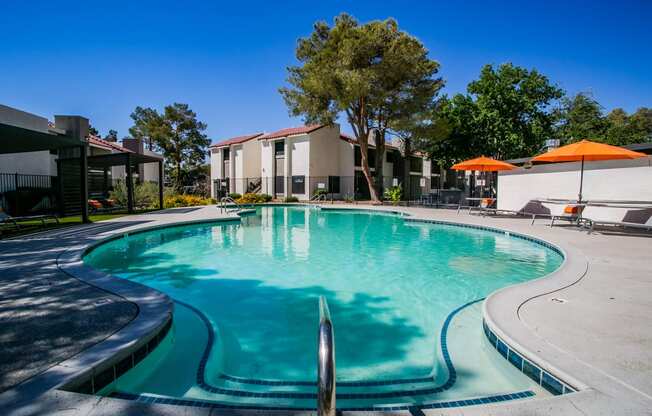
[251, 161]
[324, 152]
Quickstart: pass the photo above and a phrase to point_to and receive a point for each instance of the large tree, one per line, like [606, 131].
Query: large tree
[176, 133]
[625, 129]
[513, 110]
[374, 73]
[582, 118]
[506, 113]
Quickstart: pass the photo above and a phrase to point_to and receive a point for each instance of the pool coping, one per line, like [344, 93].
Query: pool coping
[500, 312]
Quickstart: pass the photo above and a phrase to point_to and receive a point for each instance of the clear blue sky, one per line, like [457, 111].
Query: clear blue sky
[102, 59]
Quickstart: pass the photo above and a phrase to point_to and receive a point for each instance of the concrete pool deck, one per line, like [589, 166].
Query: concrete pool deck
[593, 327]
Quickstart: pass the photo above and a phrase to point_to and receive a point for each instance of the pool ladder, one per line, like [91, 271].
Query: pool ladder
[326, 362]
[228, 199]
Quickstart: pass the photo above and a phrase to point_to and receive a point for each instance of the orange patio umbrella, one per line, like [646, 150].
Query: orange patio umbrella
[586, 150]
[483, 164]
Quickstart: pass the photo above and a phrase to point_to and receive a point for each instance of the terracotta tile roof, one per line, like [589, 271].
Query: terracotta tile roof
[292, 131]
[106, 144]
[236, 140]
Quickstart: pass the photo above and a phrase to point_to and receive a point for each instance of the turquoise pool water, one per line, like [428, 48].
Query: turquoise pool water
[390, 284]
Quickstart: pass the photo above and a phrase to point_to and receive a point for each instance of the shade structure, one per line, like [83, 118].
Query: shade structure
[483, 164]
[587, 150]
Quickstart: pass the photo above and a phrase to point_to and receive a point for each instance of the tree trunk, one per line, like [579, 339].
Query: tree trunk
[359, 125]
[407, 151]
[379, 140]
[178, 180]
[364, 153]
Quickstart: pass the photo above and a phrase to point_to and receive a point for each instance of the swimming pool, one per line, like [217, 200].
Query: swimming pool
[405, 300]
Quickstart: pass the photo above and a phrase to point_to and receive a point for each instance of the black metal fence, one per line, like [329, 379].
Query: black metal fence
[334, 187]
[28, 194]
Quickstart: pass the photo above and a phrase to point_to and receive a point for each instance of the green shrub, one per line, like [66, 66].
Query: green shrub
[145, 194]
[320, 192]
[394, 194]
[174, 201]
[235, 195]
[251, 198]
[291, 199]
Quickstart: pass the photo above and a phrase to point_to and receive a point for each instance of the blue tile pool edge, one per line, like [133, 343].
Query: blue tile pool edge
[98, 379]
[545, 379]
[476, 401]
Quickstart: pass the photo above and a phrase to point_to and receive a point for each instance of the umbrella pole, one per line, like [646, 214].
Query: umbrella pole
[581, 181]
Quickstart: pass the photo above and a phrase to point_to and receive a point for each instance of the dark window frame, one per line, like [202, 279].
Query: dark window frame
[279, 151]
[299, 184]
[333, 184]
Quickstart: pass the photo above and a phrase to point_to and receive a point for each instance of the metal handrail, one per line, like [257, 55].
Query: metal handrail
[228, 199]
[318, 197]
[326, 362]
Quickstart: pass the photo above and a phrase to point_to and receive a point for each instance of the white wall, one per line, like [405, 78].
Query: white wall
[267, 165]
[625, 180]
[29, 163]
[237, 156]
[300, 162]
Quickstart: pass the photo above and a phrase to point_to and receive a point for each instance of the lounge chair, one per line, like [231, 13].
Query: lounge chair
[531, 209]
[571, 212]
[636, 219]
[486, 206]
[8, 219]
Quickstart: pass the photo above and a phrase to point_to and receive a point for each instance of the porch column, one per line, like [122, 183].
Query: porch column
[160, 184]
[232, 169]
[288, 167]
[83, 182]
[130, 186]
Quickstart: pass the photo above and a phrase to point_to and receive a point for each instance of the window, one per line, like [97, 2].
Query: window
[334, 184]
[434, 182]
[226, 153]
[416, 164]
[279, 148]
[357, 154]
[298, 184]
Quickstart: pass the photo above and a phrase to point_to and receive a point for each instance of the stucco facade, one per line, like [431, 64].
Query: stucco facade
[299, 162]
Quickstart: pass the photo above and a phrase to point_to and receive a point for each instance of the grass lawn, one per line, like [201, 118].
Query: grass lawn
[28, 227]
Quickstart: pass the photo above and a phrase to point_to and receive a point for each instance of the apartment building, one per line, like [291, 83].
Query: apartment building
[300, 161]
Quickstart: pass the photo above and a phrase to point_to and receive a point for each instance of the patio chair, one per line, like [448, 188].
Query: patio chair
[486, 206]
[95, 206]
[635, 219]
[571, 213]
[110, 205]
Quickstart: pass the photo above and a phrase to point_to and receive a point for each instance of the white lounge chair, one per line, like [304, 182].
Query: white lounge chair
[639, 219]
